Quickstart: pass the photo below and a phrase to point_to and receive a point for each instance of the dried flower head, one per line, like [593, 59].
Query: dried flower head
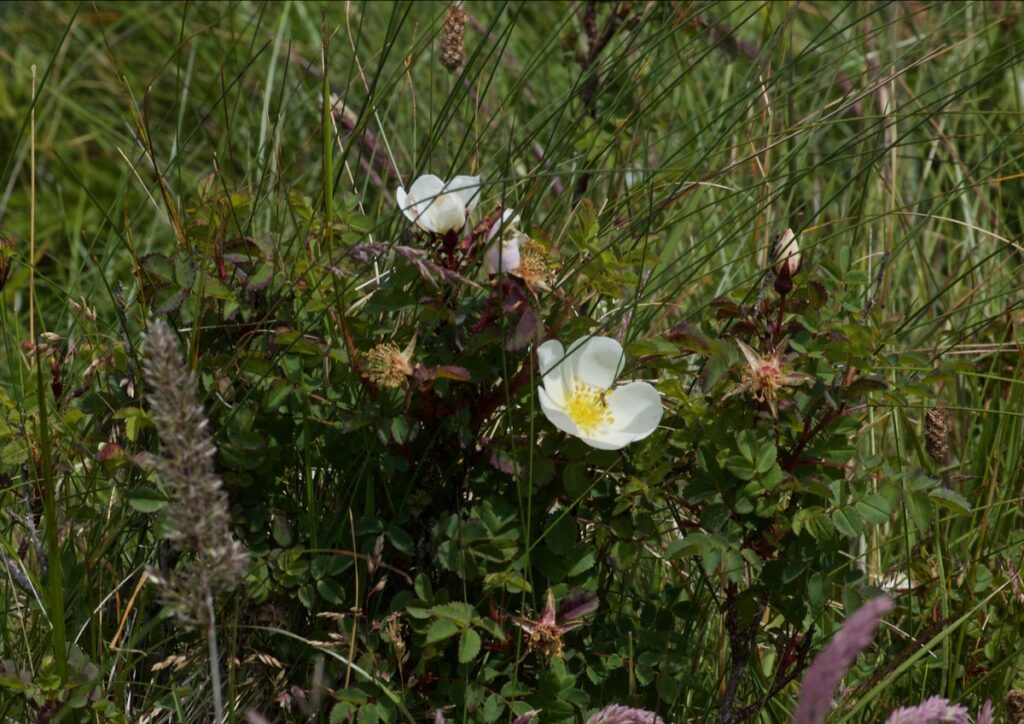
[536, 266]
[387, 366]
[619, 714]
[544, 634]
[453, 37]
[823, 676]
[196, 518]
[936, 435]
[766, 375]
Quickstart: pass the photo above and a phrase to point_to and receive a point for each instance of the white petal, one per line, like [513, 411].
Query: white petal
[636, 409]
[553, 411]
[609, 440]
[467, 188]
[405, 204]
[549, 356]
[426, 187]
[444, 213]
[502, 255]
[420, 203]
[596, 361]
[509, 220]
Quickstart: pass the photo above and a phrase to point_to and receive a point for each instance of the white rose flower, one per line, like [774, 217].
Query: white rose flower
[503, 242]
[439, 207]
[578, 396]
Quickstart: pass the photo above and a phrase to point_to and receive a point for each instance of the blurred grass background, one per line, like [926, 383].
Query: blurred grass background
[888, 134]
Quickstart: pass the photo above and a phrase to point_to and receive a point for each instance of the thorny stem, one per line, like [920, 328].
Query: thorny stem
[777, 332]
[211, 646]
[782, 677]
[741, 642]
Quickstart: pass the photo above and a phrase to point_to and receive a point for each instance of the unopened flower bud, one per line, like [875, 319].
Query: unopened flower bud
[787, 255]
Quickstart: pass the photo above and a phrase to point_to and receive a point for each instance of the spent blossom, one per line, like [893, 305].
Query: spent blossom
[765, 375]
[387, 366]
[544, 634]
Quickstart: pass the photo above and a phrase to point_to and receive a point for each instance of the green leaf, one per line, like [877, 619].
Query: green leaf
[146, 500]
[442, 629]
[874, 508]
[582, 559]
[848, 522]
[422, 587]
[469, 646]
[919, 506]
[455, 611]
[740, 468]
[766, 458]
[950, 500]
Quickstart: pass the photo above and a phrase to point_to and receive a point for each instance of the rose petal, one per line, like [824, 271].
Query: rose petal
[509, 220]
[467, 189]
[445, 213]
[596, 361]
[556, 416]
[549, 354]
[609, 440]
[405, 204]
[636, 409]
[502, 255]
[426, 187]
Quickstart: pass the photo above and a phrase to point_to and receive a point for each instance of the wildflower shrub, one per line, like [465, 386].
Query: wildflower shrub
[468, 431]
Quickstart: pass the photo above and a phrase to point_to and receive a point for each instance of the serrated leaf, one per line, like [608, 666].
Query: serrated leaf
[950, 500]
[919, 506]
[455, 611]
[469, 646]
[874, 508]
[847, 522]
[583, 560]
[442, 629]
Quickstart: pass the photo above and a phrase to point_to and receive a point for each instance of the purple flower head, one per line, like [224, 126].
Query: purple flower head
[985, 716]
[930, 711]
[824, 675]
[618, 714]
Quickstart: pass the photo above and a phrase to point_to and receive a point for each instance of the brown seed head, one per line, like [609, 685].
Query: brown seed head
[453, 37]
[936, 435]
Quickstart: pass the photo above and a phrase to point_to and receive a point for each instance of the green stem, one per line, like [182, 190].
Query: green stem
[56, 576]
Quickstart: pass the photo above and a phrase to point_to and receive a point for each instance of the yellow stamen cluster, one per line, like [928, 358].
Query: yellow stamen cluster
[536, 266]
[545, 639]
[386, 365]
[586, 407]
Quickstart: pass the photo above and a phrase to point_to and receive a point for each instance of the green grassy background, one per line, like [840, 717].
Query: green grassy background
[888, 134]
